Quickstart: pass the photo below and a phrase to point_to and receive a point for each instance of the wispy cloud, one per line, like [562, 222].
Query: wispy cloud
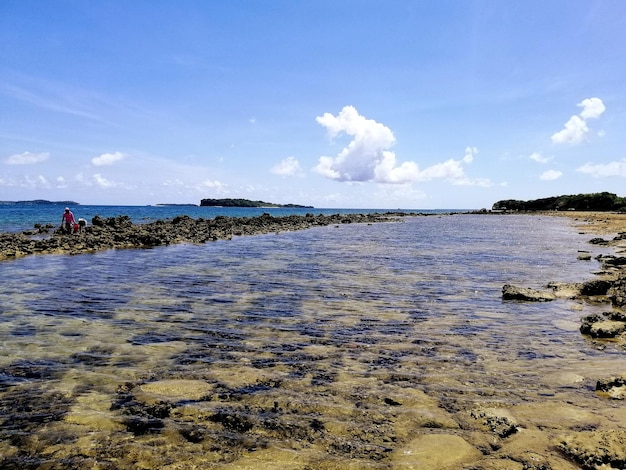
[550, 175]
[287, 167]
[603, 170]
[108, 159]
[539, 158]
[27, 158]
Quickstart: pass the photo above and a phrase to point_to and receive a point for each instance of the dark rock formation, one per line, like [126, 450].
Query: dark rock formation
[613, 387]
[120, 232]
[602, 326]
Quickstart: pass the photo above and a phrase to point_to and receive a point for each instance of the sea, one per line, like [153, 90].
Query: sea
[328, 348]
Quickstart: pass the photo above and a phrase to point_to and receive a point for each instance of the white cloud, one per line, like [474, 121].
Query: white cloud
[368, 158]
[61, 183]
[107, 159]
[211, 184]
[287, 167]
[469, 154]
[617, 168]
[216, 187]
[574, 132]
[575, 128]
[173, 183]
[539, 158]
[27, 158]
[103, 182]
[450, 169]
[592, 108]
[550, 175]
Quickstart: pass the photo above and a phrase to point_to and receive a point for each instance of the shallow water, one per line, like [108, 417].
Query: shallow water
[327, 348]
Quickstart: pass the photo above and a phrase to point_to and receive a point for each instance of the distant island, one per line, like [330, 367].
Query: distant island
[601, 202]
[245, 203]
[176, 205]
[38, 202]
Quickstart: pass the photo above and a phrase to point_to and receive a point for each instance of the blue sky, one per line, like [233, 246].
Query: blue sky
[330, 103]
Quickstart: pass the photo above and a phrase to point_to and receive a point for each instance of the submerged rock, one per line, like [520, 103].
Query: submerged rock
[432, 451]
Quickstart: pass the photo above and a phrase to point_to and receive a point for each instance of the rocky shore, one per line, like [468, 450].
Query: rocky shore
[595, 448]
[120, 232]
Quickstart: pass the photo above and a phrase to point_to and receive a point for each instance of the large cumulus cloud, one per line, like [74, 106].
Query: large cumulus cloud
[368, 156]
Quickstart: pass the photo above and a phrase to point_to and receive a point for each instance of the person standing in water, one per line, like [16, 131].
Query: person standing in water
[67, 221]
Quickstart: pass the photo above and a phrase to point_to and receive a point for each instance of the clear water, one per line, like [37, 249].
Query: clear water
[325, 348]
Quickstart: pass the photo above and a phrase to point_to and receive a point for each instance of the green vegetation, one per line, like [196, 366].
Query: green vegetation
[243, 203]
[578, 202]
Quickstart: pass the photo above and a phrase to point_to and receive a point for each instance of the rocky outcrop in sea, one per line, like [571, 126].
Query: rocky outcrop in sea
[121, 232]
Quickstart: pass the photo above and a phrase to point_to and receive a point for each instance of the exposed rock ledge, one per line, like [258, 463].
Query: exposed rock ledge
[120, 232]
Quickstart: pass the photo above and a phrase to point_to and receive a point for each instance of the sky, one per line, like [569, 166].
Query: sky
[391, 104]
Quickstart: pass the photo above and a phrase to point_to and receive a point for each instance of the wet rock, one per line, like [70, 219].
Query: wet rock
[120, 232]
[613, 387]
[595, 287]
[565, 290]
[598, 326]
[500, 422]
[617, 292]
[615, 261]
[510, 292]
[596, 449]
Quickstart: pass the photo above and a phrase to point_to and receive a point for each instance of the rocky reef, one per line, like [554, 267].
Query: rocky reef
[594, 449]
[121, 232]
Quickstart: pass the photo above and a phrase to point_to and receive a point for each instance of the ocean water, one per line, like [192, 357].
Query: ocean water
[333, 347]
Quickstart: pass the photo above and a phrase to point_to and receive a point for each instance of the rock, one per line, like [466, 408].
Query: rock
[615, 261]
[500, 422]
[565, 290]
[510, 292]
[617, 292]
[596, 449]
[597, 326]
[613, 387]
[595, 287]
[120, 232]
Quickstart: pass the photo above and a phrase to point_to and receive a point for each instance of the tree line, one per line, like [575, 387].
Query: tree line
[576, 202]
